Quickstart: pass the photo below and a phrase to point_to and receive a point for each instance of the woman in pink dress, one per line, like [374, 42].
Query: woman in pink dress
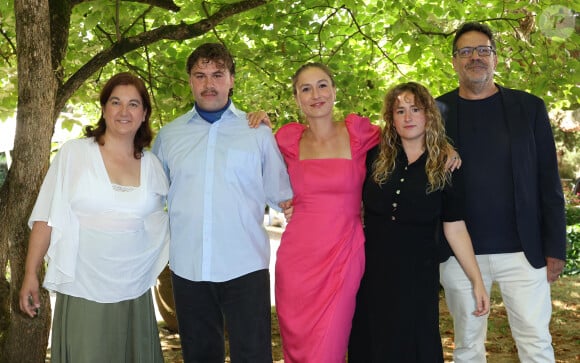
[321, 257]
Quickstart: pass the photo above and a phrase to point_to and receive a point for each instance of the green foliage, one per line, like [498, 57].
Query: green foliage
[572, 214]
[371, 45]
[567, 144]
[572, 266]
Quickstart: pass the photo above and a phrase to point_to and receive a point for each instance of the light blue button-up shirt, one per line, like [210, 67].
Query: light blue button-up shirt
[221, 177]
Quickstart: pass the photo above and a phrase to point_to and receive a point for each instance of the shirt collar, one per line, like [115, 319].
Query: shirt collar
[231, 109]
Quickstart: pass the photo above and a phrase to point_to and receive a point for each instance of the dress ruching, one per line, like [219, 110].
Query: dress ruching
[321, 256]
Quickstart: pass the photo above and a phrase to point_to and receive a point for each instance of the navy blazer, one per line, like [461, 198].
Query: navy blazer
[539, 199]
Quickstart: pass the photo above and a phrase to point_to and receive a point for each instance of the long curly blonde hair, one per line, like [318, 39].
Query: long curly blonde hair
[436, 141]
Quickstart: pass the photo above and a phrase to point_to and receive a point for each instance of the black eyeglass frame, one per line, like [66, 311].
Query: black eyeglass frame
[480, 49]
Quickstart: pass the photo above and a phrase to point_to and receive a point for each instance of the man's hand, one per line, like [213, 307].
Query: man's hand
[287, 208]
[554, 268]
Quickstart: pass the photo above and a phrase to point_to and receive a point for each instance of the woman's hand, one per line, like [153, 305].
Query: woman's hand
[29, 299]
[481, 299]
[460, 242]
[453, 160]
[258, 117]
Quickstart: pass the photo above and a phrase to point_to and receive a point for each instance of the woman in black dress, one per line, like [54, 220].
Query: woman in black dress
[408, 196]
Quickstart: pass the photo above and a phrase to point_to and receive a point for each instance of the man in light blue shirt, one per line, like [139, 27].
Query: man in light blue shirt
[222, 174]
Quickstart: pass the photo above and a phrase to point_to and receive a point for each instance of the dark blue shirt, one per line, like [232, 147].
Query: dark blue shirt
[484, 145]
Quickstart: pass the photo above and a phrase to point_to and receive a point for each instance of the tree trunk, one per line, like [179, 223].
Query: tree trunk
[41, 96]
[26, 339]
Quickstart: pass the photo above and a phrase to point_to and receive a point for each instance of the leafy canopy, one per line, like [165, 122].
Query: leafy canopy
[370, 45]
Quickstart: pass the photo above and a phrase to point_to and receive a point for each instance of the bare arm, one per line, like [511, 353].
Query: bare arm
[37, 247]
[460, 242]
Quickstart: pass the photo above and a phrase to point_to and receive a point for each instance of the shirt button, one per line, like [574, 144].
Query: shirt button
[393, 218]
[398, 192]
[394, 205]
[402, 180]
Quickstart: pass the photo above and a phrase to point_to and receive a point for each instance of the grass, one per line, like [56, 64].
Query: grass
[565, 328]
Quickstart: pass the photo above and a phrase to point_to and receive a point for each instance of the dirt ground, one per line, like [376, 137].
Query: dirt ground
[565, 328]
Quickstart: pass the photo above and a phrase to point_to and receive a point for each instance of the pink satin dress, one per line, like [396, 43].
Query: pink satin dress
[320, 260]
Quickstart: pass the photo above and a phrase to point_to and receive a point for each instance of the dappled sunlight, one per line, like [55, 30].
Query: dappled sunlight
[566, 305]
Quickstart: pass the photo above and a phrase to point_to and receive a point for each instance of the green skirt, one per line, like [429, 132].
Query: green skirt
[90, 332]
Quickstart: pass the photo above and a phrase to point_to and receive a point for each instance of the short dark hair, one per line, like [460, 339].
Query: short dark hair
[470, 27]
[212, 52]
[144, 134]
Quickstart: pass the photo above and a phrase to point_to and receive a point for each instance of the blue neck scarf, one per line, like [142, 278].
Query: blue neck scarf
[212, 116]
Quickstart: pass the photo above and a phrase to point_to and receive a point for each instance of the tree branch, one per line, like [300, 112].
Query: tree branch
[169, 32]
[376, 44]
[207, 14]
[9, 41]
[139, 19]
[163, 4]
[117, 19]
[60, 12]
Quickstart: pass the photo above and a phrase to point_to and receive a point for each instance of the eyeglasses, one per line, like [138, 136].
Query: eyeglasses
[482, 51]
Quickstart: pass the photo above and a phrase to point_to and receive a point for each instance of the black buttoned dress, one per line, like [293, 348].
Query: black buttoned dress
[397, 312]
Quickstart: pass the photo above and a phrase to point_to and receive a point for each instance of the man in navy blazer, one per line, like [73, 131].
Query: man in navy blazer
[514, 201]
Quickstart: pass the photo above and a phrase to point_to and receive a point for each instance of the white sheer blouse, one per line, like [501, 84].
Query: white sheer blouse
[108, 242]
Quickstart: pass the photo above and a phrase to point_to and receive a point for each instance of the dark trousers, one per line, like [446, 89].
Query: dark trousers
[241, 304]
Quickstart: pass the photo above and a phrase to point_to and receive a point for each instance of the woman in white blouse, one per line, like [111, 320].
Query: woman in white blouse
[100, 221]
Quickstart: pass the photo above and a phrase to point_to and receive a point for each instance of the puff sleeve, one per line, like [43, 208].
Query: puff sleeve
[288, 139]
[363, 135]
